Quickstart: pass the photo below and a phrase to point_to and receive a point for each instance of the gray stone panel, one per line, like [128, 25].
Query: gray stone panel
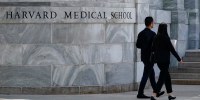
[142, 1]
[119, 33]
[51, 54]
[25, 76]
[179, 31]
[193, 44]
[91, 54]
[25, 33]
[121, 73]
[142, 12]
[170, 4]
[111, 53]
[194, 17]
[78, 33]
[83, 75]
[156, 4]
[11, 54]
[181, 47]
[129, 52]
[190, 4]
[104, 53]
[174, 4]
[180, 17]
[193, 32]
[163, 16]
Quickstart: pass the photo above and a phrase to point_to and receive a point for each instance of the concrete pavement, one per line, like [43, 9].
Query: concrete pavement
[183, 92]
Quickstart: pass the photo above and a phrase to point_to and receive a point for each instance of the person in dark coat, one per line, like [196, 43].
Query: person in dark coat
[144, 42]
[162, 47]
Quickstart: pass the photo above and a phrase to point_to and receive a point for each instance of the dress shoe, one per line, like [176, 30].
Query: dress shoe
[171, 97]
[142, 96]
[152, 98]
[160, 94]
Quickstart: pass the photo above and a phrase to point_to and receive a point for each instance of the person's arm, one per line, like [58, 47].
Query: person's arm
[139, 41]
[172, 50]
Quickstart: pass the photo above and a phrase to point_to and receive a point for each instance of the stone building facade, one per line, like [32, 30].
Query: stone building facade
[42, 53]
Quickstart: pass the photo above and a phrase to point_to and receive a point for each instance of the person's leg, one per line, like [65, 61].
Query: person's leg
[168, 83]
[152, 78]
[161, 79]
[144, 79]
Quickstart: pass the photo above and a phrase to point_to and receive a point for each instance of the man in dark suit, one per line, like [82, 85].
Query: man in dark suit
[144, 42]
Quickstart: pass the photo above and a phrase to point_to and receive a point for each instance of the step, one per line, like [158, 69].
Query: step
[191, 59]
[185, 70]
[189, 65]
[186, 81]
[185, 75]
[192, 53]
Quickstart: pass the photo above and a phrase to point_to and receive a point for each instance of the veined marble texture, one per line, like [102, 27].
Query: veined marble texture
[182, 32]
[51, 54]
[111, 53]
[11, 54]
[156, 4]
[180, 17]
[181, 47]
[119, 33]
[78, 33]
[129, 52]
[193, 44]
[174, 4]
[25, 33]
[122, 73]
[84, 75]
[161, 16]
[142, 12]
[25, 76]
[194, 17]
[105, 53]
[71, 55]
[142, 1]
[191, 4]
[193, 33]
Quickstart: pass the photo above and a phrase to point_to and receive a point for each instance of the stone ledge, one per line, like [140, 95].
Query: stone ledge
[69, 90]
[25, 3]
[70, 4]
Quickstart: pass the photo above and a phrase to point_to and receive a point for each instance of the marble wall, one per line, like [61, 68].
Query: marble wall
[67, 53]
[86, 52]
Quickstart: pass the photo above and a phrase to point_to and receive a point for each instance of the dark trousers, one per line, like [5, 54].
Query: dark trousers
[164, 77]
[148, 73]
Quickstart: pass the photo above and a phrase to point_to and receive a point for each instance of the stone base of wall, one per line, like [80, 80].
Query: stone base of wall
[69, 90]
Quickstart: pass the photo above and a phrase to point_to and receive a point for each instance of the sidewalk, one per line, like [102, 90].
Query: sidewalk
[183, 92]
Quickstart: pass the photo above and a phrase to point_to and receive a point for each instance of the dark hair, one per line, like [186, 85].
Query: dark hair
[162, 34]
[162, 30]
[148, 20]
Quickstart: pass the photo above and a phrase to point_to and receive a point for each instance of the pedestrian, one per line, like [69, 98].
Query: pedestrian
[161, 48]
[144, 42]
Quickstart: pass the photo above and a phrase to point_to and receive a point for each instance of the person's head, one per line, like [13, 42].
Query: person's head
[149, 22]
[162, 30]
